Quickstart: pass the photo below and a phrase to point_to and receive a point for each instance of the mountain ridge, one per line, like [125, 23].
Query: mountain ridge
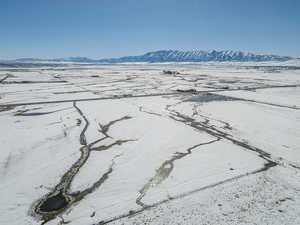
[174, 56]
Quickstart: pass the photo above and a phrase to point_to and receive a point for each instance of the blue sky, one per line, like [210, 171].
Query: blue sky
[111, 28]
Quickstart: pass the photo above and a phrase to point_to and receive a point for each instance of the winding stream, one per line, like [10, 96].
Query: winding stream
[61, 198]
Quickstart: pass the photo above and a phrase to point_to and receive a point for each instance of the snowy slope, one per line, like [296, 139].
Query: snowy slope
[198, 56]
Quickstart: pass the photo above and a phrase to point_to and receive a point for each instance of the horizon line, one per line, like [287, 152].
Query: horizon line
[180, 50]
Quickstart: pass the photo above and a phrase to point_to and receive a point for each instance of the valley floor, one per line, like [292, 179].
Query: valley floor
[169, 143]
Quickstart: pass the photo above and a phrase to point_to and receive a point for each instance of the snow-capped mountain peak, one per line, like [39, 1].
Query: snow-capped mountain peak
[176, 56]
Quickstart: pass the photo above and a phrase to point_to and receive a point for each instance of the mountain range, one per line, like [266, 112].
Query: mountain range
[173, 56]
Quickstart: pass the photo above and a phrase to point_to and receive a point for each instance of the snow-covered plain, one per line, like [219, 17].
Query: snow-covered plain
[212, 143]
